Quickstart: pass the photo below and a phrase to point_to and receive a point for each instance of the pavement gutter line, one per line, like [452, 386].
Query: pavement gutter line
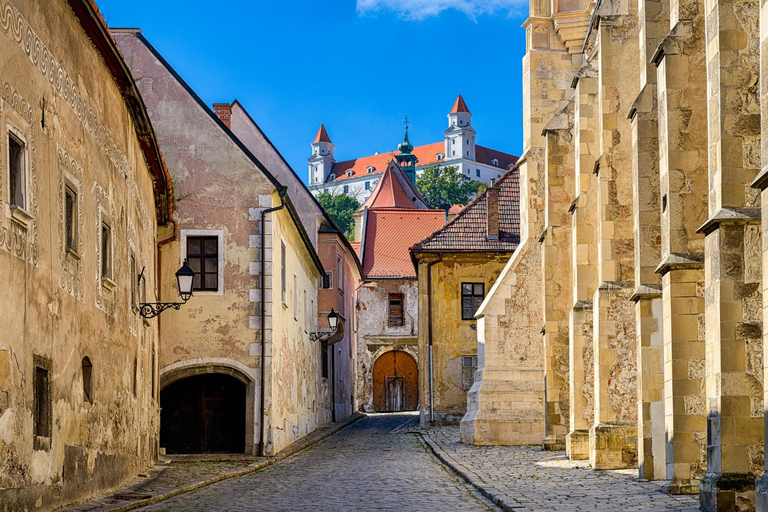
[485, 490]
[290, 450]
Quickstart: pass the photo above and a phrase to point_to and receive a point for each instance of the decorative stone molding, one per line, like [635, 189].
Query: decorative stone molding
[71, 276]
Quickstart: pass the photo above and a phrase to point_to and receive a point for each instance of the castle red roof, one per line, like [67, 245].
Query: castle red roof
[322, 135]
[459, 106]
[389, 232]
[426, 155]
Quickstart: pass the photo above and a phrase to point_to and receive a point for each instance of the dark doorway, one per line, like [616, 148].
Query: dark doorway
[203, 414]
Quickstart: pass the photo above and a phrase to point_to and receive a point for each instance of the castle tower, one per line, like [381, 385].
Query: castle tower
[406, 159]
[322, 160]
[460, 137]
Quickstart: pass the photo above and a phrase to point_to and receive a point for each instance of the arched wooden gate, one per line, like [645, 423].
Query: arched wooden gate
[395, 382]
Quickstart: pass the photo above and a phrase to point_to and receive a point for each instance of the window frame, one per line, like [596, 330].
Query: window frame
[71, 239]
[13, 134]
[200, 285]
[392, 320]
[471, 296]
[42, 407]
[106, 251]
[467, 377]
[86, 369]
[329, 277]
[184, 234]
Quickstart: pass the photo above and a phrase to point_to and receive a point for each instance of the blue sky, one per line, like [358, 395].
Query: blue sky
[359, 66]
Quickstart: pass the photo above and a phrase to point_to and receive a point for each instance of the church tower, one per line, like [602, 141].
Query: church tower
[460, 137]
[322, 160]
[406, 159]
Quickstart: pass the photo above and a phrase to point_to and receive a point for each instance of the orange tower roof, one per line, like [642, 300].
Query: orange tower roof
[322, 135]
[394, 190]
[459, 106]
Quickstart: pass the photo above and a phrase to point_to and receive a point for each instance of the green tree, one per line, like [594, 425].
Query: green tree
[442, 187]
[340, 207]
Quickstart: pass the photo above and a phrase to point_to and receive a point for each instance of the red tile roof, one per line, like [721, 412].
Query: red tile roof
[322, 135]
[388, 235]
[467, 232]
[459, 106]
[453, 210]
[356, 247]
[394, 190]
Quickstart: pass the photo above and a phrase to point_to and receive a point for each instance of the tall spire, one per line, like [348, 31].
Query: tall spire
[459, 106]
[322, 135]
[406, 159]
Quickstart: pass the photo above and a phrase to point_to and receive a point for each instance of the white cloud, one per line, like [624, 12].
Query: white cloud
[420, 9]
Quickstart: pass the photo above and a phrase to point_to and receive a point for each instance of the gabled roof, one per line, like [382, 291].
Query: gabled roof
[322, 135]
[389, 232]
[426, 155]
[468, 231]
[459, 106]
[394, 190]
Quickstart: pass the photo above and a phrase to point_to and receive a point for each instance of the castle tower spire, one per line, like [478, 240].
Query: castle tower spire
[406, 159]
[322, 160]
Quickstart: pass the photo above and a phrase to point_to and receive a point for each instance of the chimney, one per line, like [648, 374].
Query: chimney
[224, 112]
[492, 207]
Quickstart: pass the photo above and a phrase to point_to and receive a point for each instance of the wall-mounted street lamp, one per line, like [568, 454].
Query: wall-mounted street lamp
[333, 320]
[185, 277]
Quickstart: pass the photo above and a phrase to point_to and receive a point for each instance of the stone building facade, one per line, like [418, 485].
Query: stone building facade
[456, 267]
[641, 205]
[238, 371]
[83, 189]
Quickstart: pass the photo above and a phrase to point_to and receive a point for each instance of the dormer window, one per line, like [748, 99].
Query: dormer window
[349, 174]
[331, 176]
[440, 156]
[371, 169]
[495, 162]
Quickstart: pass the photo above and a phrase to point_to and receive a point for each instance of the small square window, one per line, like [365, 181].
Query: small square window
[17, 172]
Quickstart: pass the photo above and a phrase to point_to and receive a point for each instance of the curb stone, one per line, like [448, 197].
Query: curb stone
[290, 450]
[489, 492]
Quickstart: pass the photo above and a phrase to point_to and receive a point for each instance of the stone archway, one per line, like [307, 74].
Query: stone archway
[395, 382]
[207, 407]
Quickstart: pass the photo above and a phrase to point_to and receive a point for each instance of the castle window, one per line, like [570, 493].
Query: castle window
[440, 156]
[495, 162]
[371, 169]
[17, 172]
[367, 185]
[87, 380]
[346, 189]
[477, 173]
[349, 174]
[332, 177]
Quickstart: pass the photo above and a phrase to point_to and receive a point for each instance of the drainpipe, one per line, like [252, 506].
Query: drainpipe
[429, 337]
[262, 445]
[332, 348]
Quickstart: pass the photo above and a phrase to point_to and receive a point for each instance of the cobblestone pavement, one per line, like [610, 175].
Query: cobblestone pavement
[530, 479]
[366, 466]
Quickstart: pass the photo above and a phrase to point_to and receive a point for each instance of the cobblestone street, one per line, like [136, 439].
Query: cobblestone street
[366, 466]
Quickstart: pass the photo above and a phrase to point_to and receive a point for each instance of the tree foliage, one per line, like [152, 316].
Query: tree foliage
[340, 207]
[443, 187]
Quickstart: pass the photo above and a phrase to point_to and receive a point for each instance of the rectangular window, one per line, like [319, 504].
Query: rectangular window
[328, 279]
[17, 172]
[283, 281]
[346, 189]
[106, 251]
[324, 359]
[472, 295]
[42, 411]
[367, 185]
[70, 219]
[477, 172]
[468, 368]
[395, 309]
[203, 259]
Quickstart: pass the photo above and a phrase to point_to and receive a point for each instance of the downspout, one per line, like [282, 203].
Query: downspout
[332, 348]
[429, 337]
[262, 400]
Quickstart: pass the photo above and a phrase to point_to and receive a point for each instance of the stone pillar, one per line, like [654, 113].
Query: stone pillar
[613, 436]
[761, 183]
[681, 83]
[584, 263]
[653, 24]
[732, 258]
[556, 264]
[647, 294]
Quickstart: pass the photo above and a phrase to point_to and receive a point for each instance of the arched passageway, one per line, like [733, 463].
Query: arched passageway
[395, 382]
[203, 414]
